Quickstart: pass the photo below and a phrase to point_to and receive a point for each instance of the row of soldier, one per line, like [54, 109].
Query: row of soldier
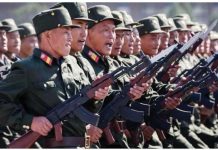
[72, 46]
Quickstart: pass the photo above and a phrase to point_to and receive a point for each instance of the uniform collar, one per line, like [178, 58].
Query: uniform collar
[46, 57]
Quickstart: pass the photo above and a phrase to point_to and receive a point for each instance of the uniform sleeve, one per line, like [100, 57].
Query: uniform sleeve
[160, 87]
[11, 89]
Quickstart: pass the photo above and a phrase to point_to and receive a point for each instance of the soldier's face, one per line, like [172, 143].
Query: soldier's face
[14, 42]
[3, 41]
[164, 39]
[117, 46]
[60, 40]
[207, 45]
[214, 45]
[183, 36]
[28, 44]
[79, 35]
[101, 37]
[137, 42]
[128, 43]
[173, 36]
[150, 43]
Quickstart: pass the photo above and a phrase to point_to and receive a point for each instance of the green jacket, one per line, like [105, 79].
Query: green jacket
[34, 87]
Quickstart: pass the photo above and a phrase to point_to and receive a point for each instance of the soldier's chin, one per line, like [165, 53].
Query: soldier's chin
[107, 51]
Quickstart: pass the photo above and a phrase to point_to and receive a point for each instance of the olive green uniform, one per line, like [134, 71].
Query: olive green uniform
[59, 79]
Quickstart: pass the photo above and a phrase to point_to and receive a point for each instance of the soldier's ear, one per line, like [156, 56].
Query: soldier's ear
[47, 34]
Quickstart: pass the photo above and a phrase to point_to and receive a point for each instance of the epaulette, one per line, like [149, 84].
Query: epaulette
[93, 56]
[47, 59]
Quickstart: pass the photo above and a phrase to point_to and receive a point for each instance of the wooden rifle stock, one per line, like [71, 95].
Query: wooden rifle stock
[25, 141]
[108, 135]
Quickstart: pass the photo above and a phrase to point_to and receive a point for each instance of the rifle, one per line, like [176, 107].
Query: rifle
[197, 69]
[118, 104]
[184, 90]
[73, 106]
[182, 50]
[160, 116]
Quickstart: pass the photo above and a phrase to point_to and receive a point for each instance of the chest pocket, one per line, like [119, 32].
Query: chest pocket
[44, 85]
[79, 76]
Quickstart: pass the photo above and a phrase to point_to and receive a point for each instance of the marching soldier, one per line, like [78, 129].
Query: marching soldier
[101, 37]
[26, 103]
[79, 16]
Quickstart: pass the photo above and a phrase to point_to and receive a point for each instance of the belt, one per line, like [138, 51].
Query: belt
[67, 142]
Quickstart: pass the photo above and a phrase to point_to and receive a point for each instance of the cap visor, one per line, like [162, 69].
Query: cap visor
[72, 26]
[116, 21]
[122, 29]
[16, 29]
[85, 19]
[4, 28]
[157, 31]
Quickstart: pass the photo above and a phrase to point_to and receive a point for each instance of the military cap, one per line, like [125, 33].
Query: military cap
[28, 30]
[172, 24]
[51, 19]
[77, 10]
[11, 24]
[196, 28]
[100, 13]
[180, 24]
[163, 21]
[149, 25]
[187, 18]
[213, 35]
[121, 26]
[3, 27]
[128, 21]
[203, 26]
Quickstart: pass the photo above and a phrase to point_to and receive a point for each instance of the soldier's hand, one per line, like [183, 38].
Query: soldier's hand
[205, 111]
[147, 85]
[172, 102]
[94, 133]
[101, 93]
[41, 125]
[136, 91]
[147, 132]
[173, 70]
[213, 87]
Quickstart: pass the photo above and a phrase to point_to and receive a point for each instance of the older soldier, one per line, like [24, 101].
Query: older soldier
[26, 103]
[28, 38]
[101, 37]
[13, 37]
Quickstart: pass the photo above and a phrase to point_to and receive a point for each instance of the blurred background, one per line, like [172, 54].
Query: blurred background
[200, 12]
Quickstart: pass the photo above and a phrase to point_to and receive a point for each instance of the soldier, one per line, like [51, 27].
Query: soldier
[150, 39]
[13, 37]
[79, 16]
[101, 37]
[5, 132]
[28, 38]
[26, 103]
